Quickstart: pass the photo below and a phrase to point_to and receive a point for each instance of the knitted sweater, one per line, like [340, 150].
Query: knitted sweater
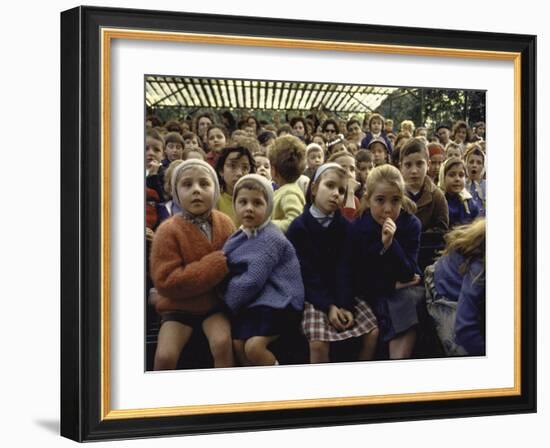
[263, 271]
[468, 289]
[432, 208]
[325, 260]
[288, 204]
[376, 271]
[185, 266]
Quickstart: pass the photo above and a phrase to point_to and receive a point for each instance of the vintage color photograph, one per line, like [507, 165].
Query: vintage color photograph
[297, 222]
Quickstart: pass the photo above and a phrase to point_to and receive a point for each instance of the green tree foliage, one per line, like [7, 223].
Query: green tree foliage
[431, 107]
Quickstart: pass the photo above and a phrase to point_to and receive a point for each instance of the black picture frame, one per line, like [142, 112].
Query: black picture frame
[83, 407]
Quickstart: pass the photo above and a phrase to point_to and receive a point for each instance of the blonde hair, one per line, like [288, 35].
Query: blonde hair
[407, 125]
[469, 241]
[168, 176]
[390, 175]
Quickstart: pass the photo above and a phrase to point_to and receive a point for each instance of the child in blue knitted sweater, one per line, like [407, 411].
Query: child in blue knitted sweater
[264, 292]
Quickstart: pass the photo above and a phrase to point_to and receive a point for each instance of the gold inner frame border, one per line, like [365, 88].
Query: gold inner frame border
[109, 34]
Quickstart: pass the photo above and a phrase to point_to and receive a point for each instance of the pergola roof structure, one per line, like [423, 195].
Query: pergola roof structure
[186, 92]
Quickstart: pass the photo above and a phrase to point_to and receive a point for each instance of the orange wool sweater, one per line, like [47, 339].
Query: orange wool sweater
[186, 267]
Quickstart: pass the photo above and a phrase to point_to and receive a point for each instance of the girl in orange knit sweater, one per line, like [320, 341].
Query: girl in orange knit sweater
[186, 266]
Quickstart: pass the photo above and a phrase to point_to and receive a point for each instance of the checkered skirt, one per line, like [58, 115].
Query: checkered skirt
[317, 327]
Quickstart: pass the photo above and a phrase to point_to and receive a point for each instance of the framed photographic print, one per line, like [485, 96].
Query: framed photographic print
[138, 81]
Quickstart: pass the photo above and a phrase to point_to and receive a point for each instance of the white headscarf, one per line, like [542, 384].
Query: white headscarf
[194, 163]
[267, 187]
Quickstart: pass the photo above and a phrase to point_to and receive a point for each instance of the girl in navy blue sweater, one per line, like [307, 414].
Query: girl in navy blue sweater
[322, 241]
[386, 240]
[452, 180]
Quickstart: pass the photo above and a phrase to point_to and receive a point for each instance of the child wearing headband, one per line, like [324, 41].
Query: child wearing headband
[187, 264]
[263, 292]
[321, 238]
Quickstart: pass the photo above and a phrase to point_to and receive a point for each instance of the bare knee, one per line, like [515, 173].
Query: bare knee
[220, 344]
[254, 348]
[372, 336]
[319, 351]
[166, 358]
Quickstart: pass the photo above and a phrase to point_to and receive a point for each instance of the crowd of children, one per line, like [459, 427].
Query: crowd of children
[329, 232]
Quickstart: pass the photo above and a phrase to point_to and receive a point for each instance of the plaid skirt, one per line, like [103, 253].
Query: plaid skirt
[317, 327]
[443, 312]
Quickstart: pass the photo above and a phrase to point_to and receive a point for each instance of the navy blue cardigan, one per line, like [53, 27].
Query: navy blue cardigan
[325, 260]
[457, 212]
[375, 271]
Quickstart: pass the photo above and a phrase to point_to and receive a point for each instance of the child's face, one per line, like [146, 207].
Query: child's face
[460, 135]
[250, 207]
[314, 159]
[455, 179]
[320, 142]
[250, 132]
[235, 167]
[216, 140]
[196, 191]
[414, 168]
[422, 133]
[153, 151]
[388, 126]
[480, 131]
[385, 202]
[378, 154]
[453, 151]
[268, 142]
[263, 166]
[376, 126]
[348, 163]
[354, 131]
[191, 143]
[202, 125]
[173, 151]
[329, 192]
[299, 130]
[364, 169]
[475, 167]
[443, 135]
[435, 164]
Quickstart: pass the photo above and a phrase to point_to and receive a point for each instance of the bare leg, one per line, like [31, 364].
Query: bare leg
[218, 332]
[257, 352]
[172, 338]
[238, 348]
[368, 345]
[319, 351]
[402, 346]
